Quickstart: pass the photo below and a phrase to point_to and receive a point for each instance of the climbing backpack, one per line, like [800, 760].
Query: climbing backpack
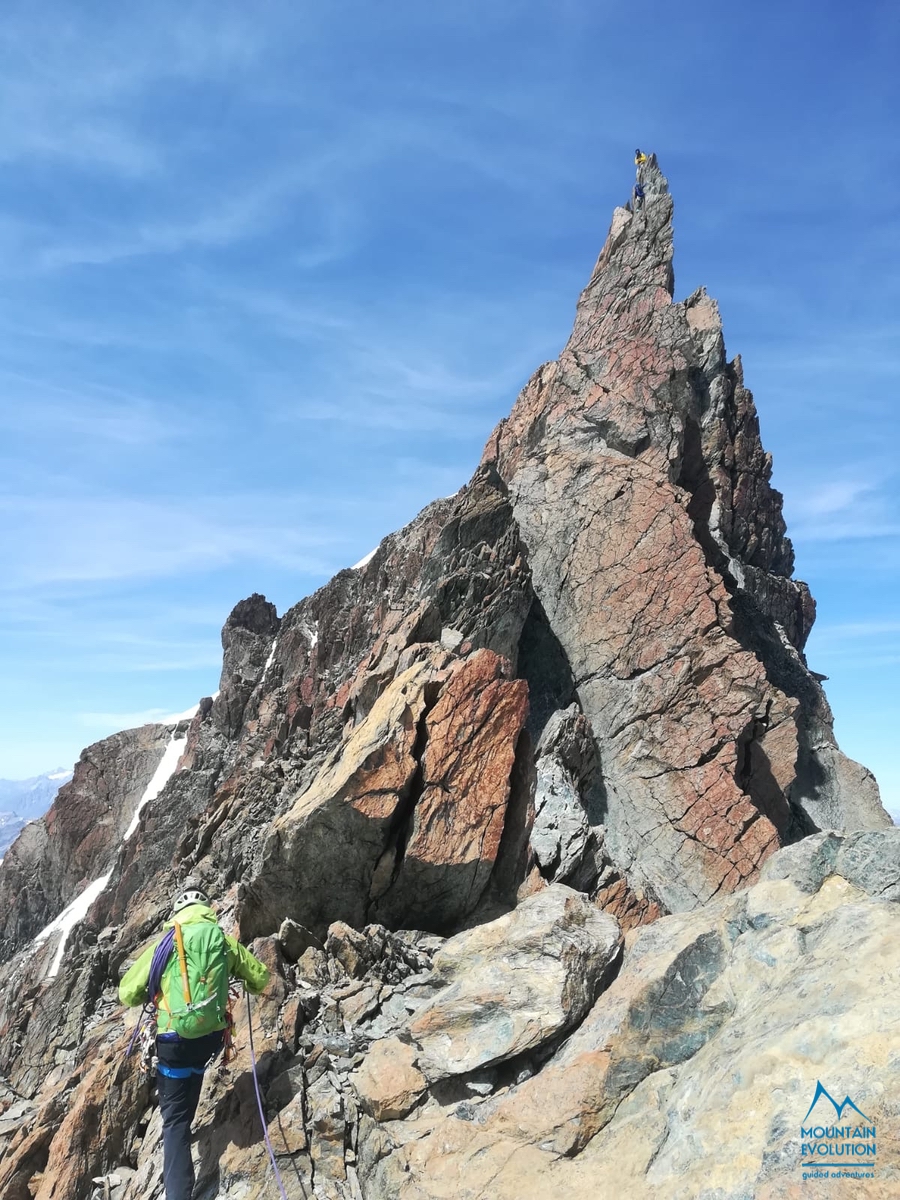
[192, 996]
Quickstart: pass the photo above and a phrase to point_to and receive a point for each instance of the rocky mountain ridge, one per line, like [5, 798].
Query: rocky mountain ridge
[30, 798]
[554, 708]
[23, 800]
[10, 828]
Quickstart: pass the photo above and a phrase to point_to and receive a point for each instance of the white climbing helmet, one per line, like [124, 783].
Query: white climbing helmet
[190, 895]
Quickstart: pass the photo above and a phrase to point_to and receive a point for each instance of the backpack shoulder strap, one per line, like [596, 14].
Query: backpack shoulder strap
[182, 962]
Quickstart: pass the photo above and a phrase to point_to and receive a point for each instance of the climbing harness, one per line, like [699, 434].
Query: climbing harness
[262, 1115]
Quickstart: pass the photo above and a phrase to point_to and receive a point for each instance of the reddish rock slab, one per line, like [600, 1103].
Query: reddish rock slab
[458, 820]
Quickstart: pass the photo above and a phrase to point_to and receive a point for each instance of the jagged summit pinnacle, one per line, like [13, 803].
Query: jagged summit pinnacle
[638, 251]
[652, 179]
[642, 494]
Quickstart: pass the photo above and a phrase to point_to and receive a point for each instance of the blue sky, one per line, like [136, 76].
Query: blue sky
[272, 272]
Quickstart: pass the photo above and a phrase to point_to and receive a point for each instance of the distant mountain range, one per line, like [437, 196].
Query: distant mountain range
[21, 800]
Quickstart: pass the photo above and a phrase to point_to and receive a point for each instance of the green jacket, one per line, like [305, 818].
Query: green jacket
[241, 964]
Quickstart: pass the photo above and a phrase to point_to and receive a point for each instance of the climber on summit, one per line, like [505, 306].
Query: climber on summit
[185, 975]
[640, 159]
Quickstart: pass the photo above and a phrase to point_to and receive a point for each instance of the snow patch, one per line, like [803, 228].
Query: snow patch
[364, 561]
[59, 775]
[77, 910]
[68, 919]
[270, 659]
[161, 777]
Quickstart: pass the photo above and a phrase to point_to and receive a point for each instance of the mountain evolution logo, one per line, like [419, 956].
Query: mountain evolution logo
[851, 1149]
[838, 1108]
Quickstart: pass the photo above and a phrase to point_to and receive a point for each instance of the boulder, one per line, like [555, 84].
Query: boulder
[388, 1083]
[515, 983]
[295, 939]
[869, 860]
[355, 952]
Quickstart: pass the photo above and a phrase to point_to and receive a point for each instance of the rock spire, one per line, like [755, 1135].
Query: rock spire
[657, 546]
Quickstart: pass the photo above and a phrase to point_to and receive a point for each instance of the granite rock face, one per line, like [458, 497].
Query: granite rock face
[471, 737]
[554, 708]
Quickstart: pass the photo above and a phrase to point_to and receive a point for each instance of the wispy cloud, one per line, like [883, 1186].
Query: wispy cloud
[845, 531]
[858, 629]
[832, 497]
[126, 720]
[448, 370]
[861, 506]
[854, 647]
[83, 539]
[29, 404]
[216, 221]
[71, 91]
[69, 623]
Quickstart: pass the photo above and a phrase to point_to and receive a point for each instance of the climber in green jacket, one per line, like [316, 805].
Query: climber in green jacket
[188, 971]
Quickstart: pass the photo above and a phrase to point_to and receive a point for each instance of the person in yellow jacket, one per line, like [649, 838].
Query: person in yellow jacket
[187, 970]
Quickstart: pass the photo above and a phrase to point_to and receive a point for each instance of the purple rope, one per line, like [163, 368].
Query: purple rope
[158, 963]
[262, 1115]
[137, 1030]
[157, 966]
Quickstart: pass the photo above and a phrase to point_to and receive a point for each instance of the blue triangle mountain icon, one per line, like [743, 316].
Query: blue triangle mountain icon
[838, 1108]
